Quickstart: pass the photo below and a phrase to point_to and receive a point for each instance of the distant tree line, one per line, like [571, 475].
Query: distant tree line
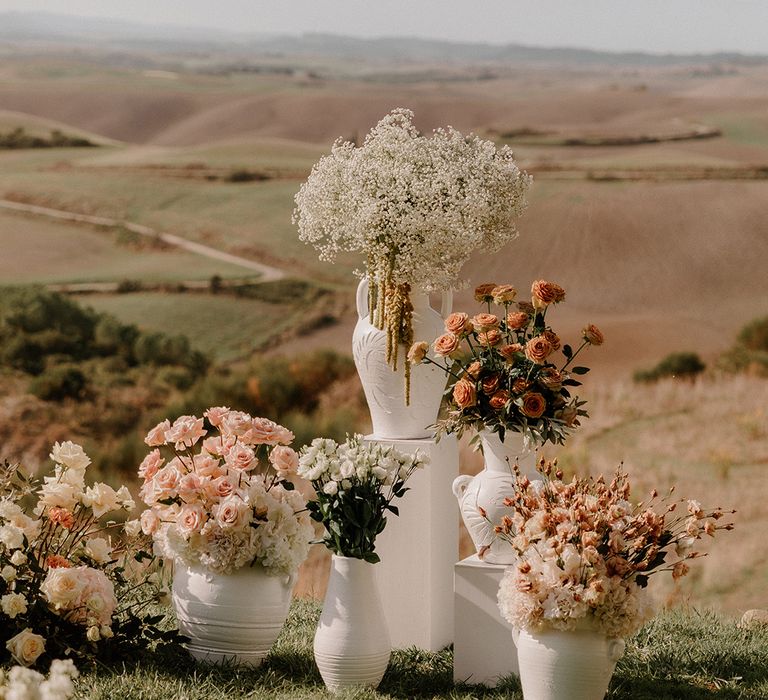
[19, 138]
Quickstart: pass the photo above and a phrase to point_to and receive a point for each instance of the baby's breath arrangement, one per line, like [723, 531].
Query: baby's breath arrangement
[415, 207]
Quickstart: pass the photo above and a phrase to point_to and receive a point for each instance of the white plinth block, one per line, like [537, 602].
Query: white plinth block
[483, 650]
[419, 548]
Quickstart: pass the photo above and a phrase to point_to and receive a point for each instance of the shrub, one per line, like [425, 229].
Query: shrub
[685, 365]
[59, 383]
[754, 336]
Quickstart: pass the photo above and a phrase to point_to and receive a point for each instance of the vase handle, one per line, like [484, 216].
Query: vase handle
[446, 303]
[616, 649]
[515, 635]
[362, 298]
[460, 484]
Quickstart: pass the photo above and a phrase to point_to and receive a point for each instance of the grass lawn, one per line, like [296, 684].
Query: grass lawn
[678, 656]
[223, 327]
[37, 250]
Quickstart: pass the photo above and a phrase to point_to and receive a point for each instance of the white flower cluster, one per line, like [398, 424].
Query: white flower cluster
[338, 466]
[220, 505]
[415, 207]
[22, 683]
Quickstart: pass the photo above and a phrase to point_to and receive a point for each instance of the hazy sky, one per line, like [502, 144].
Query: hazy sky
[649, 25]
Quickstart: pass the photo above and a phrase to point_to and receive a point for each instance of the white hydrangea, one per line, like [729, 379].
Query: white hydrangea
[414, 205]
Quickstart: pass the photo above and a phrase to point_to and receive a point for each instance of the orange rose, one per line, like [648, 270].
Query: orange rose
[484, 292]
[490, 384]
[418, 352]
[508, 351]
[485, 322]
[593, 335]
[520, 385]
[473, 370]
[526, 307]
[446, 345]
[504, 294]
[517, 320]
[533, 404]
[553, 339]
[464, 393]
[550, 378]
[490, 338]
[499, 399]
[458, 323]
[538, 349]
[545, 293]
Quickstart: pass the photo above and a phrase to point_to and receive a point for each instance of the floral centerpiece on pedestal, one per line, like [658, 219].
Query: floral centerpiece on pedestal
[355, 484]
[503, 377]
[67, 583]
[221, 497]
[414, 207]
[585, 556]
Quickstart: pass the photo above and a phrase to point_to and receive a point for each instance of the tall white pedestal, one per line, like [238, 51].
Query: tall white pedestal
[419, 548]
[483, 650]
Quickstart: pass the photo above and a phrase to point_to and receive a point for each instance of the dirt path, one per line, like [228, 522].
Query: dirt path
[267, 272]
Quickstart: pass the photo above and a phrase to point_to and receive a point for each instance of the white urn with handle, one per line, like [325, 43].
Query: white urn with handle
[384, 388]
[486, 491]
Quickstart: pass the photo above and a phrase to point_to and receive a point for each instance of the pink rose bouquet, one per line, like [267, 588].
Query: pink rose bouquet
[504, 366]
[219, 493]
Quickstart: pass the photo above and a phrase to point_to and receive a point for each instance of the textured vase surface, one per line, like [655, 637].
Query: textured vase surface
[230, 617]
[352, 644]
[566, 665]
[384, 388]
[488, 489]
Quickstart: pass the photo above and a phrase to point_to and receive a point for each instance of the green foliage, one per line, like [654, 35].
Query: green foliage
[243, 175]
[682, 365]
[750, 353]
[19, 138]
[754, 336]
[59, 383]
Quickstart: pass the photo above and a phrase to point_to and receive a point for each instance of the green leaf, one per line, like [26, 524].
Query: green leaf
[568, 351]
[579, 370]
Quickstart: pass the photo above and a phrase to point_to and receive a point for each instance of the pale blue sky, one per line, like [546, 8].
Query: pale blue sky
[681, 26]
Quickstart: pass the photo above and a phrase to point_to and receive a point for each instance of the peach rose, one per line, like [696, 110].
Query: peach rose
[149, 522]
[484, 292]
[526, 307]
[167, 478]
[504, 294]
[499, 399]
[509, 351]
[485, 322]
[216, 414]
[417, 352]
[156, 436]
[538, 349]
[517, 320]
[490, 338]
[490, 384]
[26, 646]
[458, 323]
[474, 370]
[185, 431]
[533, 404]
[236, 423]
[266, 432]
[593, 335]
[220, 488]
[189, 487]
[150, 464]
[446, 345]
[545, 293]
[553, 338]
[205, 465]
[464, 393]
[231, 513]
[240, 457]
[284, 460]
[191, 519]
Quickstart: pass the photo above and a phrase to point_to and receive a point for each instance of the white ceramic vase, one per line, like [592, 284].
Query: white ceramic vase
[230, 617]
[352, 644]
[566, 665]
[385, 389]
[489, 488]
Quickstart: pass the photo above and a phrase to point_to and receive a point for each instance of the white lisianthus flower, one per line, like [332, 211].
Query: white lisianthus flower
[132, 528]
[331, 488]
[98, 549]
[101, 498]
[57, 494]
[12, 537]
[8, 573]
[18, 558]
[125, 498]
[71, 455]
[13, 604]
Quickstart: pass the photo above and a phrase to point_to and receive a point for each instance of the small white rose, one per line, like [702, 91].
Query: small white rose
[8, 573]
[18, 558]
[93, 634]
[331, 488]
[13, 604]
[26, 646]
